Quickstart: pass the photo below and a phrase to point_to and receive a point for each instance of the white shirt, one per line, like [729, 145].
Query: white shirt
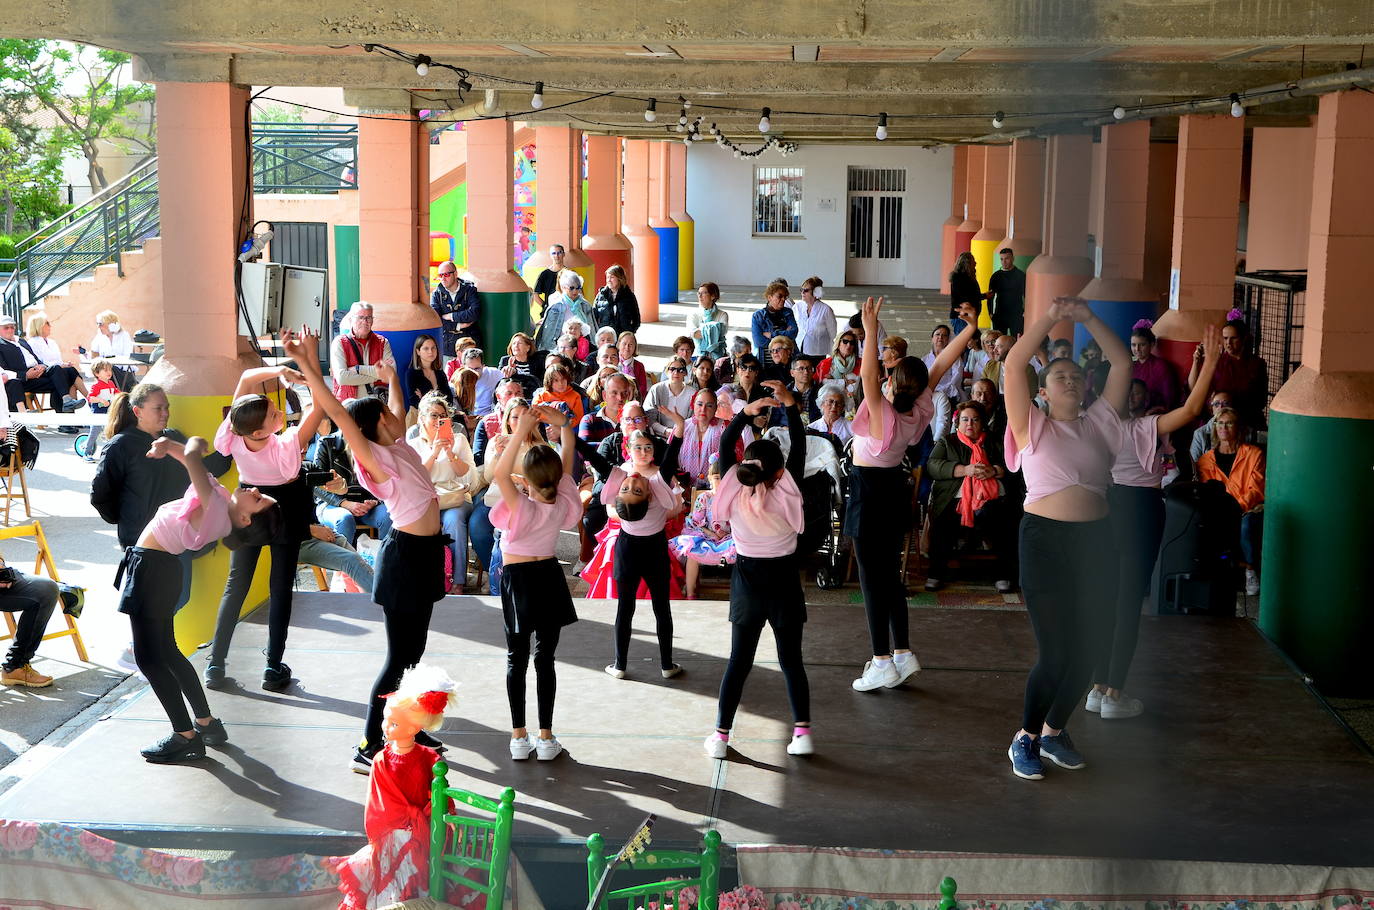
[484, 393]
[121, 344]
[49, 354]
[661, 398]
[816, 329]
[952, 383]
[29, 359]
[840, 429]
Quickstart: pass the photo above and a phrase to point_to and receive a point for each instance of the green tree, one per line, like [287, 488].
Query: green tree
[85, 88]
[30, 182]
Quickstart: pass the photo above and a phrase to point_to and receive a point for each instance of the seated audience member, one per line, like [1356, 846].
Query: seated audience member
[703, 541]
[355, 354]
[703, 375]
[701, 439]
[558, 389]
[672, 394]
[842, 368]
[891, 352]
[993, 371]
[777, 365]
[627, 348]
[26, 373]
[1202, 436]
[984, 391]
[725, 366]
[603, 336]
[49, 353]
[453, 471]
[426, 373]
[802, 382]
[567, 304]
[973, 490]
[748, 385]
[523, 362]
[484, 393]
[34, 598]
[344, 504]
[977, 356]
[708, 324]
[832, 420]
[581, 347]
[1061, 349]
[1245, 376]
[1155, 372]
[949, 389]
[1095, 370]
[490, 424]
[683, 347]
[1240, 466]
[568, 349]
[328, 550]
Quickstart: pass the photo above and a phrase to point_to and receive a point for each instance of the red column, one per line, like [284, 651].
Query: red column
[604, 244]
[958, 193]
[635, 225]
[558, 194]
[393, 223]
[1064, 267]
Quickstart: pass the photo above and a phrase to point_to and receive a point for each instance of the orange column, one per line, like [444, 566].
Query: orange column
[635, 225]
[958, 193]
[1279, 225]
[973, 202]
[1064, 267]
[393, 225]
[1206, 216]
[1025, 199]
[985, 243]
[558, 195]
[491, 232]
[604, 244]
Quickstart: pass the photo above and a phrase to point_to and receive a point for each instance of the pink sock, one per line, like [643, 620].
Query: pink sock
[801, 731]
[723, 737]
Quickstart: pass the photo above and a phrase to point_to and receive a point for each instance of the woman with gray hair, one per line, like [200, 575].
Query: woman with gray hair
[832, 420]
[567, 304]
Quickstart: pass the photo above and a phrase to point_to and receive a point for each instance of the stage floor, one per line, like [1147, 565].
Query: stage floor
[1234, 760]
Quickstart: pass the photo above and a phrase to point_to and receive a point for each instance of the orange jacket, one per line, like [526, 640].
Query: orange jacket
[1246, 483]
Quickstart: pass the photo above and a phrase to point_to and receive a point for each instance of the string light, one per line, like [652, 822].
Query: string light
[882, 127]
[685, 103]
[765, 124]
[1119, 112]
[537, 100]
[1237, 110]
[422, 65]
[998, 119]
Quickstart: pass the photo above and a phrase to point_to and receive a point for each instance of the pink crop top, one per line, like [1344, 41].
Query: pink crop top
[408, 491]
[764, 521]
[531, 528]
[898, 431]
[1067, 453]
[171, 525]
[1137, 460]
[662, 501]
[274, 464]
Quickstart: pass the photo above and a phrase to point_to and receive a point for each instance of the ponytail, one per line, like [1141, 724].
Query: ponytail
[122, 414]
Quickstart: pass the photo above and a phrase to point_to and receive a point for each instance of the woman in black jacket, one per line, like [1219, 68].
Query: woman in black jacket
[963, 288]
[615, 304]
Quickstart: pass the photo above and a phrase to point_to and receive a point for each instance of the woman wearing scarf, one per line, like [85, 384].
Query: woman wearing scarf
[842, 368]
[701, 439]
[972, 489]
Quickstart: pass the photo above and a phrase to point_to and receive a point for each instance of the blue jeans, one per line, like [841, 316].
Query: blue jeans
[957, 325]
[455, 524]
[481, 532]
[337, 556]
[346, 526]
[1251, 538]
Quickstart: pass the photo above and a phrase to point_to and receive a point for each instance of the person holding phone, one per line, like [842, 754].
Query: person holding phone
[453, 470]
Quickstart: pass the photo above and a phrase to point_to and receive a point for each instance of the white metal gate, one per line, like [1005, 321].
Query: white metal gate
[876, 232]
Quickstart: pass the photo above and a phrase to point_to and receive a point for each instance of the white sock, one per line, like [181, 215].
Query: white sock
[881, 661]
[903, 657]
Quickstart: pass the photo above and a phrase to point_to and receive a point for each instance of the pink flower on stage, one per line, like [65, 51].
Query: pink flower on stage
[156, 862]
[186, 871]
[787, 905]
[16, 837]
[272, 867]
[100, 849]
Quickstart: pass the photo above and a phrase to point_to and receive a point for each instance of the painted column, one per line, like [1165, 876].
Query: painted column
[661, 220]
[201, 192]
[634, 221]
[985, 243]
[504, 295]
[393, 229]
[1206, 216]
[973, 203]
[1118, 294]
[1064, 267]
[1025, 200]
[677, 210]
[958, 193]
[1314, 587]
[558, 200]
[604, 244]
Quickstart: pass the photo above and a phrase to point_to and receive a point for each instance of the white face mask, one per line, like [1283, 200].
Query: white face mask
[114, 328]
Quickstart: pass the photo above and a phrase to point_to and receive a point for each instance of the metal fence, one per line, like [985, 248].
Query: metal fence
[1275, 308]
[305, 157]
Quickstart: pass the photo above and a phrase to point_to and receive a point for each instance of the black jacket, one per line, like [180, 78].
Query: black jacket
[331, 454]
[948, 453]
[129, 486]
[464, 305]
[620, 311]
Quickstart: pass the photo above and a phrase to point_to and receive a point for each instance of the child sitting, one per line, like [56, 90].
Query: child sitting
[704, 541]
[577, 329]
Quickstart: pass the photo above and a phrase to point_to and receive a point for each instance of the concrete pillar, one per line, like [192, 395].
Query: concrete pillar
[958, 194]
[1064, 267]
[1159, 220]
[393, 229]
[558, 200]
[1206, 216]
[988, 240]
[1025, 200]
[661, 219]
[1118, 293]
[1314, 589]
[491, 230]
[604, 244]
[973, 203]
[201, 194]
[1279, 224]
[677, 210]
[634, 223]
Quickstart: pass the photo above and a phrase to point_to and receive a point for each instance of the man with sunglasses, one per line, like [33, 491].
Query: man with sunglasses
[456, 303]
[546, 284]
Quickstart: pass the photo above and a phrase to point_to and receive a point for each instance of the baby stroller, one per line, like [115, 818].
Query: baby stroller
[822, 489]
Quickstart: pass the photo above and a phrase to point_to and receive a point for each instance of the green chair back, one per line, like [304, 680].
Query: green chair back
[458, 842]
[705, 864]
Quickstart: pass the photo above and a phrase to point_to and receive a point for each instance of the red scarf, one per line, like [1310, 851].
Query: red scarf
[975, 493]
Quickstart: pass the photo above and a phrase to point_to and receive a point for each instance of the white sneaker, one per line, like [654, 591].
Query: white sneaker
[876, 677]
[907, 666]
[1121, 707]
[126, 660]
[547, 749]
[1094, 703]
[674, 670]
[801, 745]
[613, 670]
[1251, 583]
[522, 748]
[715, 746]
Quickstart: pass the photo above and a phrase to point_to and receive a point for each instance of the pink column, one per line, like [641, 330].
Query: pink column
[1025, 199]
[558, 192]
[1279, 226]
[1064, 267]
[958, 193]
[491, 232]
[973, 203]
[635, 225]
[1206, 215]
[604, 244]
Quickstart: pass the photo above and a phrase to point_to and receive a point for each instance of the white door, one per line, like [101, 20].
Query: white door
[876, 234]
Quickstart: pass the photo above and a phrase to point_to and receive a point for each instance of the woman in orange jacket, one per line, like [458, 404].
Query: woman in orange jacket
[1240, 466]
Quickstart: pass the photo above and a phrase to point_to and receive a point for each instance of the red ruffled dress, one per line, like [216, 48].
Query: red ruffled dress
[599, 572]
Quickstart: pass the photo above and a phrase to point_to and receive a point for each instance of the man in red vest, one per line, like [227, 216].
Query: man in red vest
[356, 353]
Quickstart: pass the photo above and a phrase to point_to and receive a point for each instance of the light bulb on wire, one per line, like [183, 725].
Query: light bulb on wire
[998, 119]
[1119, 112]
[765, 124]
[1237, 109]
[650, 112]
[422, 65]
[882, 127]
[537, 99]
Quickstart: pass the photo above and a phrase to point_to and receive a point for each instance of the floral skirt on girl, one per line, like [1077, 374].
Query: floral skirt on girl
[702, 539]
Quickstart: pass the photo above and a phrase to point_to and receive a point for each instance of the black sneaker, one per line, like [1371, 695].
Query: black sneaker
[362, 759]
[214, 676]
[425, 738]
[274, 679]
[174, 748]
[213, 733]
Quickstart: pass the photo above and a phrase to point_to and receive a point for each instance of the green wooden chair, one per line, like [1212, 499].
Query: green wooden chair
[705, 864]
[458, 842]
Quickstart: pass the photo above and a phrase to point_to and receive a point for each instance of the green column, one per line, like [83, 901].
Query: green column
[1315, 599]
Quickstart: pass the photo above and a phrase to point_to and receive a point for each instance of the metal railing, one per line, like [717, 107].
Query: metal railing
[1275, 305]
[287, 157]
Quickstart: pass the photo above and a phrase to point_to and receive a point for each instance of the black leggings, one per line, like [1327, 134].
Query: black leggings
[880, 579]
[1069, 585]
[744, 642]
[152, 587]
[407, 632]
[546, 678]
[643, 558]
[1137, 525]
[243, 563]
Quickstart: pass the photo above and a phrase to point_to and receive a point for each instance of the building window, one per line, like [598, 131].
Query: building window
[777, 201]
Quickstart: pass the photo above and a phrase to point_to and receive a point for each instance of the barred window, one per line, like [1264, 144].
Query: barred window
[777, 201]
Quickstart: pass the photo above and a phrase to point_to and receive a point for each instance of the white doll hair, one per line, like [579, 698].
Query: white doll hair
[425, 686]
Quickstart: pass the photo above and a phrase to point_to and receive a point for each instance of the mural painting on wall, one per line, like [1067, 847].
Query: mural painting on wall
[526, 241]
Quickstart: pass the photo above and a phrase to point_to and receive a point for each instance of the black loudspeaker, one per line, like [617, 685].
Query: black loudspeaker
[1197, 568]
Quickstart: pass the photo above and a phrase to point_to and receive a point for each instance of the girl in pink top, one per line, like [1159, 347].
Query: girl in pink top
[1137, 516]
[409, 577]
[535, 602]
[152, 588]
[1068, 560]
[761, 499]
[269, 458]
[892, 417]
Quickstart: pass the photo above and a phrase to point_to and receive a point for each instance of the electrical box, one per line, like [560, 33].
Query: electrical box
[278, 296]
[262, 287]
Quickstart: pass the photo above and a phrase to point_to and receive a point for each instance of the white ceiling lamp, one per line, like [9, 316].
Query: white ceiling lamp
[650, 112]
[765, 123]
[882, 127]
[537, 99]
